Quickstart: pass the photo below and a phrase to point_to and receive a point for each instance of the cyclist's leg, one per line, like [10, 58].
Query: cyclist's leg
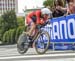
[32, 26]
[30, 32]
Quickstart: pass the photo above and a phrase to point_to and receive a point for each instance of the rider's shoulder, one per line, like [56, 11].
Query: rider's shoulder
[30, 13]
[38, 11]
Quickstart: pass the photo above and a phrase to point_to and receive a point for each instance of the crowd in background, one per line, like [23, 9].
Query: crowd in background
[59, 9]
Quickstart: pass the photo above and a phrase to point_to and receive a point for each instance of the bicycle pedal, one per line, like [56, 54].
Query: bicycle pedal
[26, 46]
[26, 43]
[29, 41]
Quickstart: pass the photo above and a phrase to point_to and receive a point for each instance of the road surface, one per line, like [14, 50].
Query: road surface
[9, 53]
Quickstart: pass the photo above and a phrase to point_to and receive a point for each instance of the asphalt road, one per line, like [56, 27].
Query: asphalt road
[9, 53]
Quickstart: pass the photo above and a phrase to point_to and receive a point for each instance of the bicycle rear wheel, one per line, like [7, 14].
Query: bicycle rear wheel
[42, 42]
[22, 44]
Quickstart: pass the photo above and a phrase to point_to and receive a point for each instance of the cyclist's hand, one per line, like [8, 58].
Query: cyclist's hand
[42, 21]
[48, 22]
[38, 26]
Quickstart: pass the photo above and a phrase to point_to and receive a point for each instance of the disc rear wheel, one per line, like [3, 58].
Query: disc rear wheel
[22, 44]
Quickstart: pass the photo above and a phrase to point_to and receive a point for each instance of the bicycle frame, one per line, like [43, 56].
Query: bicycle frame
[36, 34]
[38, 31]
[27, 43]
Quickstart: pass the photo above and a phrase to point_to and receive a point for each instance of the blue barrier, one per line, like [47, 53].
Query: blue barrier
[62, 29]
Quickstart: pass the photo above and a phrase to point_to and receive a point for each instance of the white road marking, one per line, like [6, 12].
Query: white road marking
[67, 59]
[39, 56]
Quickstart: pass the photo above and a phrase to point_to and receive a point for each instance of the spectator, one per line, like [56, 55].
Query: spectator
[58, 10]
[68, 1]
[71, 8]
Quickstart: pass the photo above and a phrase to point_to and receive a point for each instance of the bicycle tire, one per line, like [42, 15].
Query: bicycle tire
[22, 39]
[48, 42]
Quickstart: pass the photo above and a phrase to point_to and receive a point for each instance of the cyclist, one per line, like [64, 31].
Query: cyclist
[37, 17]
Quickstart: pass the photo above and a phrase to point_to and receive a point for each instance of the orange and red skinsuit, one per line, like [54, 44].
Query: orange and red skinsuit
[37, 13]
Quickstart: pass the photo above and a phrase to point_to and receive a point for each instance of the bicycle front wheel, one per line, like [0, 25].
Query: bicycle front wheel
[42, 42]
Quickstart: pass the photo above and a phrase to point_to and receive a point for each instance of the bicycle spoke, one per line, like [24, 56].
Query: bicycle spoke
[41, 43]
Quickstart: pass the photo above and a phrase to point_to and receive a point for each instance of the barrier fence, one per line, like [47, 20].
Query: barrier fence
[62, 32]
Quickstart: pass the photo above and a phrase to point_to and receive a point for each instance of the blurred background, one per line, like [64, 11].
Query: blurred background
[13, 13]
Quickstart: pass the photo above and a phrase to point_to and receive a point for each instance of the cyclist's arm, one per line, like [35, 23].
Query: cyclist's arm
[28, 18]
[39, 19]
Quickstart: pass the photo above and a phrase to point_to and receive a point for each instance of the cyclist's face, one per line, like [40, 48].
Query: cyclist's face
[45, 15]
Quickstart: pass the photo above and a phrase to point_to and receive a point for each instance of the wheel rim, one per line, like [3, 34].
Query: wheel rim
[42, 43]
[21, 47]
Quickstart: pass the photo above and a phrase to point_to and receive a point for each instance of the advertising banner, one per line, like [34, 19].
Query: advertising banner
[62, 29]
